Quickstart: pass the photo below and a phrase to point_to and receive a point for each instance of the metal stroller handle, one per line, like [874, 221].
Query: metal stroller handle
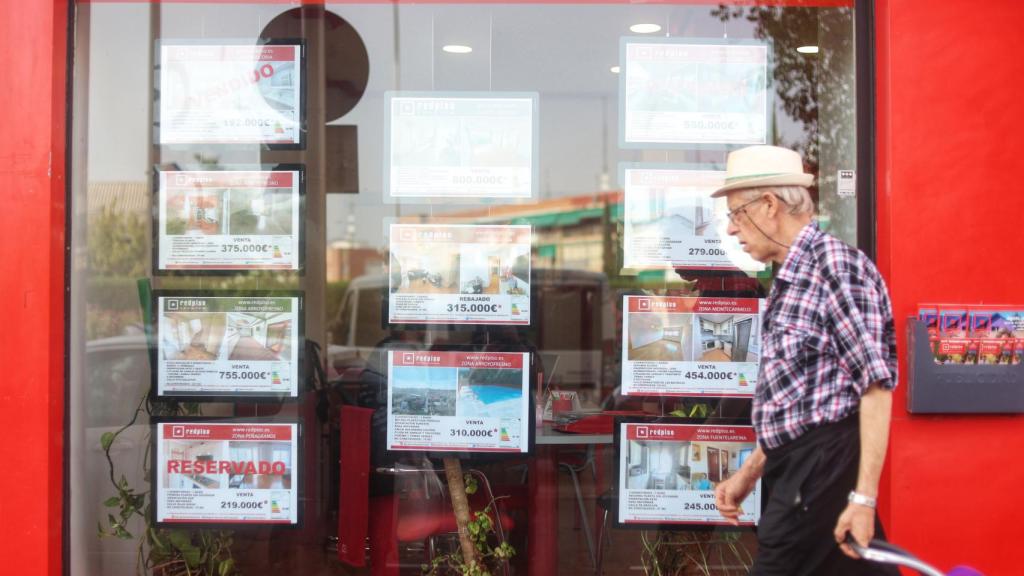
[885, 553]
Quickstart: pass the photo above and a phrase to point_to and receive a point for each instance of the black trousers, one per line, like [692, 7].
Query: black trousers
[806, 484]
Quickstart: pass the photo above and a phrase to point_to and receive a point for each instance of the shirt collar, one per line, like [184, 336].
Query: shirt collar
[792, 268]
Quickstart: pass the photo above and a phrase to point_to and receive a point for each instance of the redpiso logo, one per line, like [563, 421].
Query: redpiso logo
[177, 431]
[641, 432]
[644, 304]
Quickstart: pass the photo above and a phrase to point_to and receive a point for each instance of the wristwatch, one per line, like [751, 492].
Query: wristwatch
[863, 500]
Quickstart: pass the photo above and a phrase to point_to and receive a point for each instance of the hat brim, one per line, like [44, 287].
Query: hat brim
[804, 180]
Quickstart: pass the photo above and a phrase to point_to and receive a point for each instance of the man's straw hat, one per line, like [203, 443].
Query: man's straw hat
[756, 166]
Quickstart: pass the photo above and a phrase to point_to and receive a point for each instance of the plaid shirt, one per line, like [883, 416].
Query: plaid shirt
[828, 334]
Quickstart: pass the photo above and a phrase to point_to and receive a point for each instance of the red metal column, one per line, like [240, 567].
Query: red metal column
[32, 149]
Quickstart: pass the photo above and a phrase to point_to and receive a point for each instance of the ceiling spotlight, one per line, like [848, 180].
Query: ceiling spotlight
[457, 49]
[644, 28]
[807, 49]
[615, 69]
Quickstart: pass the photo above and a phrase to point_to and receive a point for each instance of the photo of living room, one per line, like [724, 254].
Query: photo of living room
[259, 336]
[494, 269]
[662, 465]
[270, 452]
[193, 451]
[727, 338]
[425, 268]
[192, 335]
[660, 337]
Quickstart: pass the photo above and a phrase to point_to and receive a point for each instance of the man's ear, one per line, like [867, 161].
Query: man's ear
[773, 203]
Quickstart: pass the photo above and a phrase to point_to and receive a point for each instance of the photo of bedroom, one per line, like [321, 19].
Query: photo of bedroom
[727, 338]
[662, 465]
[195, 212]
[193, 451]
[425, 268]
[490, 393]
[196, 336]
[259, 336]
[660, 337]
[494, 269]
[257, 211]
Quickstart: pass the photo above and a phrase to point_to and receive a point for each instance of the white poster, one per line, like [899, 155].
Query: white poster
[226, 473]
[690, 346]
[468, 145]
[671, 221]
[688, 92]
[231, 94]
[237, 220]
[459, 274]
[239, 345]
[459, 401]
[668, 472]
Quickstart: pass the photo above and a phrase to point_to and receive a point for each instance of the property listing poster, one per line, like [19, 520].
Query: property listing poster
[671, 221]
[228, 345]
[469, 145]
[458, 401]
[668, 472]
[230, 473]
[230, 94]
[686, 92]
[690, 346]
[229, 220]
[459, 274]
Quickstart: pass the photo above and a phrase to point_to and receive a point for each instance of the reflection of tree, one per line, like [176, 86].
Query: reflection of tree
[815, 90]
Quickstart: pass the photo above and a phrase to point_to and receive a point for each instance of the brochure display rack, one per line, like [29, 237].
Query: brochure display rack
[958, 388]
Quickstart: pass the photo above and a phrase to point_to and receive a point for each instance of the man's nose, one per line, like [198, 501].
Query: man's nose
[732, 229]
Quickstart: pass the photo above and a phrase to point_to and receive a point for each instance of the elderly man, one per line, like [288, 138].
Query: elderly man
[822, 406]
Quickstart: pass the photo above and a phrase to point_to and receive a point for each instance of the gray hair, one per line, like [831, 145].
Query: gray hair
[796, 198]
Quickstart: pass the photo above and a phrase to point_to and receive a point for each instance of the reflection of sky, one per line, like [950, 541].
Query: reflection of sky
[423, 377]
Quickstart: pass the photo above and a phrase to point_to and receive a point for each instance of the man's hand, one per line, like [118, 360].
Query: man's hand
[859, 521]
[730, 493]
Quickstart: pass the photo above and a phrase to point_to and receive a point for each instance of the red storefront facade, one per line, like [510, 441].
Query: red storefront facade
[946, 157]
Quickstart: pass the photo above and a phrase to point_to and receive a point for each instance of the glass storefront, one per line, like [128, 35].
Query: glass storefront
[349, 278]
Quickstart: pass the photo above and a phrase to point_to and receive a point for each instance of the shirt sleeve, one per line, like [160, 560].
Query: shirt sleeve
[861, 329]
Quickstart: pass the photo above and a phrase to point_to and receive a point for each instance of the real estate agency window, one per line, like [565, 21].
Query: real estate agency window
[345, 276]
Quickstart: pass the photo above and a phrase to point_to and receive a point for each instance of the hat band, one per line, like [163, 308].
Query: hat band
[762, 175]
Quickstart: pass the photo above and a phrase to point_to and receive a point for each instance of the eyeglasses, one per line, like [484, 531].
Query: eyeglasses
[732, 214]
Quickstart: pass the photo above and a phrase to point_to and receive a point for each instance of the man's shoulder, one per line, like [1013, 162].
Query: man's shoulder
[837, 260]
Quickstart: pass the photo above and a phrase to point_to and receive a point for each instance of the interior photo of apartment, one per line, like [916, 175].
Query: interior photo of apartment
[209, 336]
[259, 336]
[267, 452]
[727, 338]
[491, 269]
[662, 465]
[192, 335]
[193, 451]
[427, 268]
[660, 337]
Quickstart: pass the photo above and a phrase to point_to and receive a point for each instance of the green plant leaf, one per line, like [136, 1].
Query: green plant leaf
[112, 501]
[106, 440]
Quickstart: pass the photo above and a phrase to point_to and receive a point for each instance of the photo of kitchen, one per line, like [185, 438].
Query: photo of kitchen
[661, 337]
[193, 451]
[237, 453]
[667, 465]
[494, 269]
[727, 338]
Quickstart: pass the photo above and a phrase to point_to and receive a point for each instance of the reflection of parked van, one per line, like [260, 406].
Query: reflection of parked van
[572, 316]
